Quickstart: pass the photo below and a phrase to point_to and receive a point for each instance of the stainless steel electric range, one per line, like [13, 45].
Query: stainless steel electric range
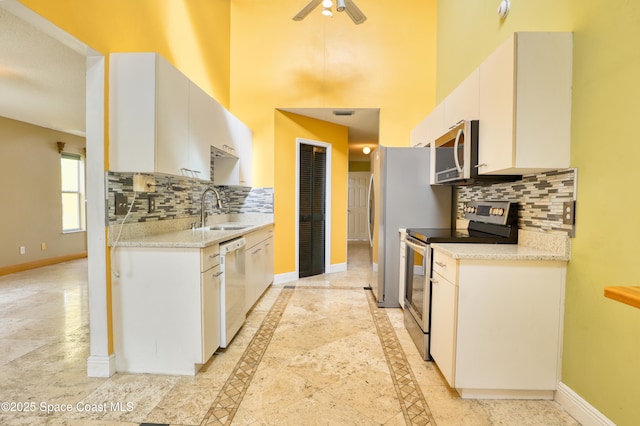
[490, 222]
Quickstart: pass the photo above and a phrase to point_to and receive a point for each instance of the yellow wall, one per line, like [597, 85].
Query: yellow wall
[288, 127]
[601, 336]
[191, 34]
[386, 63]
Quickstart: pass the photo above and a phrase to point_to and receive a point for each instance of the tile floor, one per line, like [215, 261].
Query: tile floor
[314, 352]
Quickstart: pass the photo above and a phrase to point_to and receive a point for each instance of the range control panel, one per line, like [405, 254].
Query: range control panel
[497, 212]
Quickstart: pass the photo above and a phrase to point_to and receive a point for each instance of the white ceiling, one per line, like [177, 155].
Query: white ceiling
[363, 126]
[42, 82]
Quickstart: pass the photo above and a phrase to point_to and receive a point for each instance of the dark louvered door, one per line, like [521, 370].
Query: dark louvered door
[313, 160]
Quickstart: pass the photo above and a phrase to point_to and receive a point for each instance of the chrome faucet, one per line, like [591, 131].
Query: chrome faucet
[204, 194]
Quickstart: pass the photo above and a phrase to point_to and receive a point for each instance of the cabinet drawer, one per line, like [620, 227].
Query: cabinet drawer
[256, 237]
[445, 266]
[209, 257]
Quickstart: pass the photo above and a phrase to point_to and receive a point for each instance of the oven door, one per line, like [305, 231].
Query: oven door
[417, 281]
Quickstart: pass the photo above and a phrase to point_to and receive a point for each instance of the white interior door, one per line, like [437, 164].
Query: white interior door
[357, 210]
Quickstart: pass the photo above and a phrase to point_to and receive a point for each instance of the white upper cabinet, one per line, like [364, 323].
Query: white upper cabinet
[463, 102]
[430, 128]
[243, 148]
[208, 127]
[162, 122]
[149, 104]
[525, 105]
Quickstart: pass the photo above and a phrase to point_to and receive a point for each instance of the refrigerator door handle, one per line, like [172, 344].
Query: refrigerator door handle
[369, 207]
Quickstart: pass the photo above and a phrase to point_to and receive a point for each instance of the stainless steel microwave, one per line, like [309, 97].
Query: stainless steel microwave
[456, 154]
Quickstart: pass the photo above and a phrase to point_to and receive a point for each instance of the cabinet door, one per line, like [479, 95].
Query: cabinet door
[429, 128]
[243, 142]
[444, 296]
[201, 131]
[497, 101]
[253, 275]
[268, 271]
[463, 102]
[172, 119]
[525, 105]
[210, 282]
[132, 112]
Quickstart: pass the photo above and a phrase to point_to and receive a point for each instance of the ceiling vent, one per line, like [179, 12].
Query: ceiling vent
[343, 113]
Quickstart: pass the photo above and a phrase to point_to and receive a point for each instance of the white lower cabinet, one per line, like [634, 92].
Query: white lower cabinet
[210, 303]
[496, 325]
[444, 296]
[166, 308]
[259, 258]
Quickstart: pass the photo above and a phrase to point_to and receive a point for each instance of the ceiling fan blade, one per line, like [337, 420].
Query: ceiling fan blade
[354, 12]
[306, 10]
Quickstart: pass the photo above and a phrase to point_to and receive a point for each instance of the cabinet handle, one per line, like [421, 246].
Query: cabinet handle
[480, 165]
[218, 274]
[213, 256]
[441, 264]
[433, 281]
[255, 251]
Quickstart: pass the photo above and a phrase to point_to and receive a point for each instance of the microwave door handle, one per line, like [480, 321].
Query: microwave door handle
[455, 150]
[418, 248]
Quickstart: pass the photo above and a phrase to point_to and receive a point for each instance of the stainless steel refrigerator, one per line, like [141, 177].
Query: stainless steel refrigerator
[400, 196]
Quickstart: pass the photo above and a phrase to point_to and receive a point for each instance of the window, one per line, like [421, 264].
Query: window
[72, 171]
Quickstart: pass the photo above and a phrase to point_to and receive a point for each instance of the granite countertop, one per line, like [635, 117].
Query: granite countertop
[496, 252]
[531, 246]
[189, 238]
[197, 238]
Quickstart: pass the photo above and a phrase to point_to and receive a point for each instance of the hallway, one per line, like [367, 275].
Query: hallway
[315, 351]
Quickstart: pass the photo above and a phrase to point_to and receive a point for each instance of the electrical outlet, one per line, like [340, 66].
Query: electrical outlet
[122, 204]
[23, 250]
[569, 213]
[152, 204]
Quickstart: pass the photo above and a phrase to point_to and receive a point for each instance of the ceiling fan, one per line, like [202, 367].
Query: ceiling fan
[348, 6]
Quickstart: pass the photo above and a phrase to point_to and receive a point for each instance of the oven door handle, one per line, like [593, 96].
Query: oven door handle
[422, 249]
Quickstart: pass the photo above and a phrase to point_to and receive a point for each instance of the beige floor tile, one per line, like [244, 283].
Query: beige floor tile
[320, 363]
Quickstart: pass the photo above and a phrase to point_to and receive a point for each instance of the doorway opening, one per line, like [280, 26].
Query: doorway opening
[313, 187]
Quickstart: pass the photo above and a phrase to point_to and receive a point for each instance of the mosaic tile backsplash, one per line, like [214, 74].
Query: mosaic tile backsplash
[178, 197]
[540, 197]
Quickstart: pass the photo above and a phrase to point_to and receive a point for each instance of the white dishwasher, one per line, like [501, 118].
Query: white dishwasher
[233, 285]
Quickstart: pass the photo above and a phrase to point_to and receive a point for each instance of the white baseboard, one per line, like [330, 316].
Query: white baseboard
[101, 366]
[581, 410]
[287, 277]
[338, 267]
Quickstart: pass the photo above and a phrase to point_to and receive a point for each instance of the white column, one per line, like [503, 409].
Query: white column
[100, 362]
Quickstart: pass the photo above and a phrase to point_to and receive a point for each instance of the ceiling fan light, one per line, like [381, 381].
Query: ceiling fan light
[340, 5]
[327, 12]
[327, 4]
